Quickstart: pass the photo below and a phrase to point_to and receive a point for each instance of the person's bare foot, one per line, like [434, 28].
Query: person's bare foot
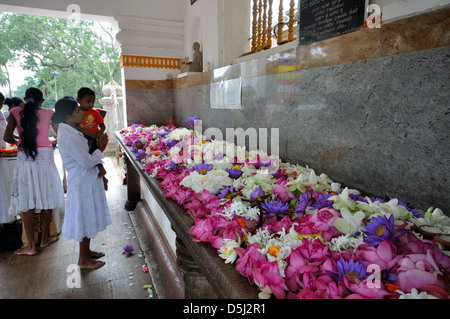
[27, 251]
[91, 264]
[96, 254]
[49, 241]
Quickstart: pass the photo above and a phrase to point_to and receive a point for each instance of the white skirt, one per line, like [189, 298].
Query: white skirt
[86, 211]
[4, 218]
[36, 183]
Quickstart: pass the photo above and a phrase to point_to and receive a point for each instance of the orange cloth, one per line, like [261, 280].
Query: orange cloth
[92, 119]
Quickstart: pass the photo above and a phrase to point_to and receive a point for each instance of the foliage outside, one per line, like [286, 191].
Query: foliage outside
[72, 53]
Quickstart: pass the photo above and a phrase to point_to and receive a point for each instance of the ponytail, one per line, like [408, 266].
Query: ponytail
[29, 119]
[10, 101]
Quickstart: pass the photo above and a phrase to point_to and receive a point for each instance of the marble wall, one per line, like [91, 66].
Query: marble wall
[149, 102]
[375, 117]
[379, 125]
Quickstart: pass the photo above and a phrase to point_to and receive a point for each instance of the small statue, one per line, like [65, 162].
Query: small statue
[196, 65]
[197, 59]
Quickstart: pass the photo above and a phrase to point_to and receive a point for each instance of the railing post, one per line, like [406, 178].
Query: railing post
[269, 29]
[255, 26]
[259, 25]
[291, 21]
[280, 23]
[264, 26]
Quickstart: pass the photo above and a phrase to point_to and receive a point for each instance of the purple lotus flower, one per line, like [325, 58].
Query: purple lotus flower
[257, 192]
[233, 172]
[191, 121]
[225, 191]
[218, 156]
[381, 228]
[171, 142]
[137, 143]
[141, 154]
[128, 250]
[170, 166]
[162, 134]
[264, 164]
[275, 207]
[202, 168]
[304, 201]
[321, 201]
[351, 269]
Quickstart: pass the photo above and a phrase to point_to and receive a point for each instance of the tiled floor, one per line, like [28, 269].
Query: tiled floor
[46, 275]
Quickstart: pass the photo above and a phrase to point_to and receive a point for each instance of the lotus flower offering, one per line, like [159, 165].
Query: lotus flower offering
[290, 231]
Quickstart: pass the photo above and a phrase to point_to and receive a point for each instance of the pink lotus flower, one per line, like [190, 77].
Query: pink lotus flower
[304, 259]
[248, 256]
[416, 271]
[322, 221]
[282, 191]
[203, 229]
[385, 255]
[411, 244]
[365, 290]
[267, 275]
[274, 225]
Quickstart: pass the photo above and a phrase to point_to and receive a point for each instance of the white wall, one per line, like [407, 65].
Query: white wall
[398, 9]
[220, 26]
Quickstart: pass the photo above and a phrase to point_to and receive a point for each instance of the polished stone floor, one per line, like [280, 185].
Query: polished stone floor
[46, 275]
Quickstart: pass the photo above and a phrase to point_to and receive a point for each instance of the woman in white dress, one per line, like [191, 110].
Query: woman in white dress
[36, 186]
[86, 211]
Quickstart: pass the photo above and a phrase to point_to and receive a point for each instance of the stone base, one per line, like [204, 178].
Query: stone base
[163, 268]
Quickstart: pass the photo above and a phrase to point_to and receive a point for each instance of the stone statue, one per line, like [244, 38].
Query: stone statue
[197, 59]
[196, 65]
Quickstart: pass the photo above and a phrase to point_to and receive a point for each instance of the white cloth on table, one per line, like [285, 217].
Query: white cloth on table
[86, 210]
[4, 218]
[36, 183]
[3, 124]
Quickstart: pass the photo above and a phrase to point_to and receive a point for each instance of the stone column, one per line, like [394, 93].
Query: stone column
[133, 185]
[112, 104]
[196, 286]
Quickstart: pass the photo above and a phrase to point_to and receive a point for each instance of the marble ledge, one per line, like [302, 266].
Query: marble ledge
[425, 31]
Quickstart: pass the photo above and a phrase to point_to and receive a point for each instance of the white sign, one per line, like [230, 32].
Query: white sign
[226, 94]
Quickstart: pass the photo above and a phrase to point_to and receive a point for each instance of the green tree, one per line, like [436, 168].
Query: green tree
[71, 53]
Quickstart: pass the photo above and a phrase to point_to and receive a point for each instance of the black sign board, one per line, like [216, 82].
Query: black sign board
[324, 19]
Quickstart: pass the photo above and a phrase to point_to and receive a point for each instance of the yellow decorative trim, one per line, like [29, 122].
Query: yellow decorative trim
[149, 62]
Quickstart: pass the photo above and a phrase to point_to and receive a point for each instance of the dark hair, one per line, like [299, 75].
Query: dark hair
[29, 119]
[2, 96]
[10, 101]
[63, 107]
[83, 92]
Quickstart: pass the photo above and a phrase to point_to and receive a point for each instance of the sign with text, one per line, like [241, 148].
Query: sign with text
[324, 19]
[226, 94]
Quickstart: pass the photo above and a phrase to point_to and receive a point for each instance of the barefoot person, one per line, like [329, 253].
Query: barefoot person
[36, 185]
[86, 211]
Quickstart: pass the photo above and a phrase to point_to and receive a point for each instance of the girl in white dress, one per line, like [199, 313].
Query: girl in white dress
[36, 185]
[86, 211]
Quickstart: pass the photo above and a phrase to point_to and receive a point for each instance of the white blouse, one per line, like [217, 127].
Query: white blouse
[74, 149]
